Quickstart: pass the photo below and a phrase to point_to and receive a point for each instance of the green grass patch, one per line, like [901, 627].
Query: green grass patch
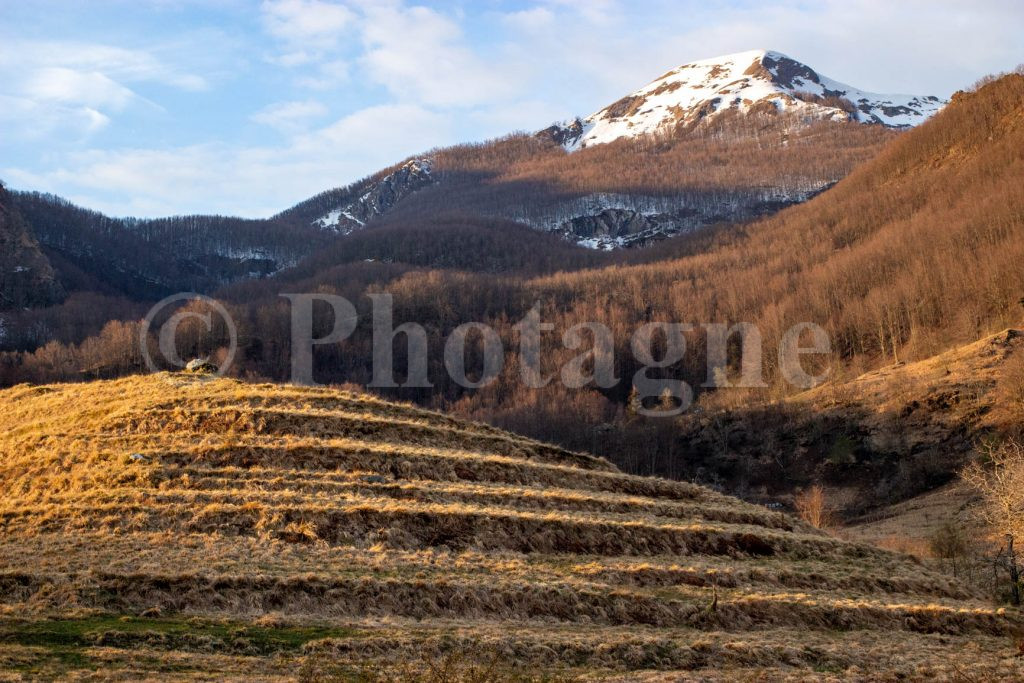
[164, 633]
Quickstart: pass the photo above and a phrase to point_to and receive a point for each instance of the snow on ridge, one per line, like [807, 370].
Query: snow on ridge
[741, 81]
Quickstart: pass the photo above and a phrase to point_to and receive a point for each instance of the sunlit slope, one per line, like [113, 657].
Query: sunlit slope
[172, 525]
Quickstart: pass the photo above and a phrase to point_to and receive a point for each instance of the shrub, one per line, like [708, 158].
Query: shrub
[813, 508]
[949, 543]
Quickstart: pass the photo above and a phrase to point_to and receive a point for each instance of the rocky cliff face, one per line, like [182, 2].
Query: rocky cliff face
[616, 226]
[26, 277]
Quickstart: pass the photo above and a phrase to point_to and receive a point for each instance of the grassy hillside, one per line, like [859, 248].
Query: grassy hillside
[168, 527]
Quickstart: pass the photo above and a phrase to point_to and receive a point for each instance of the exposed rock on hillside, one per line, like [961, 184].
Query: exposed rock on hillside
[379, 197]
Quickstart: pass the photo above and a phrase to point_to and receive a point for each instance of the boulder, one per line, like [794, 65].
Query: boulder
[200, 366]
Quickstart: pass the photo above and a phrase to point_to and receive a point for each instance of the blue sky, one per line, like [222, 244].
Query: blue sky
[247, 107]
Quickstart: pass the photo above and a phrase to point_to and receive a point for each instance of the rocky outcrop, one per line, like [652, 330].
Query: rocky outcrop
[613, 226]
[379, 197]
[611, 223]
[564, 134]
[617, 228]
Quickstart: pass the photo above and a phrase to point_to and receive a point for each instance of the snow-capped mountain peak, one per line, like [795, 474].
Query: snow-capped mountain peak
[757, 81]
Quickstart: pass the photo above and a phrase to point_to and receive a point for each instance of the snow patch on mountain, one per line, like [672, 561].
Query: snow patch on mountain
[757, 81]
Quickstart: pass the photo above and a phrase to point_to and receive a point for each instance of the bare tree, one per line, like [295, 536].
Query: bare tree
[999, 478]
[813, 508]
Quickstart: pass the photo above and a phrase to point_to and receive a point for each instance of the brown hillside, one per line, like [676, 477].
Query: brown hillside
[884, 436]
[168, 527]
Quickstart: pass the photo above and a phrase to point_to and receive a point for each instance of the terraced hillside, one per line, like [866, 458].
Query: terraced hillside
[175, 527]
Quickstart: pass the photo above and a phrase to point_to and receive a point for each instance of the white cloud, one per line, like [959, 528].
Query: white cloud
[328, 75]
[307, 24]
[290, 116]
[310, 36]
[533, 19]
[419, 54]
[34, 120]
[291, 59]
[386, 126]
[594, 12]
[94, 119]
[54, 87]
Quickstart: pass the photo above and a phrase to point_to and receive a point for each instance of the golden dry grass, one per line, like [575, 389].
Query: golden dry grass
[173, 527]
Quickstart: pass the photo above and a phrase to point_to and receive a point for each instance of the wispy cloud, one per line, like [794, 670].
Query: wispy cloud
[33, 120]
[75, 87]
[117, 63]
[305, 29]
[290, 117]
[67, 86]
